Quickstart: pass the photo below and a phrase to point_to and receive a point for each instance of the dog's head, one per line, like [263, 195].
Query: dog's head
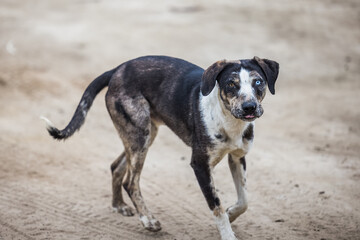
[242, 84]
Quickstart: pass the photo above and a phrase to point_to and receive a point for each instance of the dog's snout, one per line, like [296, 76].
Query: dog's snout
[249, 107]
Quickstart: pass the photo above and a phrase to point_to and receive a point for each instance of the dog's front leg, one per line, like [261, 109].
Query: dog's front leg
[200, 164]
[238, 167]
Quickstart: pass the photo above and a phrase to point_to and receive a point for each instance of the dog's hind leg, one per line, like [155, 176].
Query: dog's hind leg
[238, 167]
[132, 183]
[131, 117]
[118, 170]
[132, 186]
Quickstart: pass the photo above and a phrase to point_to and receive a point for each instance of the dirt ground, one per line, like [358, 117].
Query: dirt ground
[303, 170]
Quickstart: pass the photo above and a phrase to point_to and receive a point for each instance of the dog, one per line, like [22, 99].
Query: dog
[212, 111]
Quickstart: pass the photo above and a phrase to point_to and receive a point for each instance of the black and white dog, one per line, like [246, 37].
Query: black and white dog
[212, 111]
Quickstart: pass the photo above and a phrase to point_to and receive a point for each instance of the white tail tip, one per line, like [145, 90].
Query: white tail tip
[49, 124]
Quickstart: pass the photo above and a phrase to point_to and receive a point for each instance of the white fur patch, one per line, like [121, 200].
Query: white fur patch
[49, 124]
[224, 227]
[246, 88]
[145, 221]
[218, 120]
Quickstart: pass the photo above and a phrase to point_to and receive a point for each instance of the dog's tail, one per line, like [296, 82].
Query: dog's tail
[80, 113]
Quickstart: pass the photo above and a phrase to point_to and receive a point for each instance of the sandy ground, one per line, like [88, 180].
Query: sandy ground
[304, 168]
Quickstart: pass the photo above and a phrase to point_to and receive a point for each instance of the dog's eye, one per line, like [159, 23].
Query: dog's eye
[258, 82]
[231, 85]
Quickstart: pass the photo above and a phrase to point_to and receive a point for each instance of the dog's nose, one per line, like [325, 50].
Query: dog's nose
[249, 107]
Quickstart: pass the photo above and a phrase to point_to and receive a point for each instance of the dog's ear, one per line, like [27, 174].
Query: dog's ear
[209, 76]
[271, 71]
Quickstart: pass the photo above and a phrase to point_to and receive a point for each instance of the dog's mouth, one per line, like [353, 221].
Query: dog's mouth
[247, 117]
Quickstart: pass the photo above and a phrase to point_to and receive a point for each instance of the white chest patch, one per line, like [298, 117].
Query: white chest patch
[222, 127]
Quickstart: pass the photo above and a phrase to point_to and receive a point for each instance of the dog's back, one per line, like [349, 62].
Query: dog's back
[169, 85]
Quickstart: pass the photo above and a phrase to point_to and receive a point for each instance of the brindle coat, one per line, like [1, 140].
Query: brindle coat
[212, 111]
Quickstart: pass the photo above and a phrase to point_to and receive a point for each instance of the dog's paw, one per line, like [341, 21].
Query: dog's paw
[150, 223]
[125, 210]
[224, 227]
[228, 235]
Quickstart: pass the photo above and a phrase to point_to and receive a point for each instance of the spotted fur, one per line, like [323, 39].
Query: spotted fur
[212, 111]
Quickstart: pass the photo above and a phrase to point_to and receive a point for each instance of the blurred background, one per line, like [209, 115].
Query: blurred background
[303, 170]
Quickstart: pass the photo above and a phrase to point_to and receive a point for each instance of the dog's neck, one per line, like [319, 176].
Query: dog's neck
[217, 119]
